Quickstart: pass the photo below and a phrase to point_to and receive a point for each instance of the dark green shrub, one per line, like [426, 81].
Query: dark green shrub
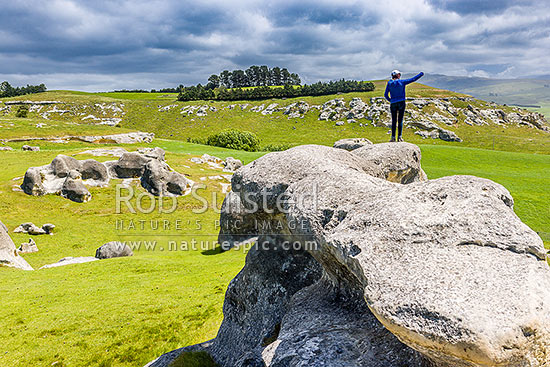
[276, 147]
[22, 111]
[235, 139]
[194, 359]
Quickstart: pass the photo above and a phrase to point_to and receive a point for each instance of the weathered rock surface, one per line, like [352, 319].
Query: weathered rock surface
[431, 273]
[29, 228]
[160, 180]
[113, 249]
[69, 260]
[130, 165]
[351, 143]
[28, 247]
[398, 162]
[8, 254]
[232, 164]
[30, 148]
[73, 189]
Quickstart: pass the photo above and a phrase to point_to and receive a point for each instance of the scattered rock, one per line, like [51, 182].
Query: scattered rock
[30, 148]
[340, 123]
[30, 228]
[48, 228]
[116, 152]
[69, 260]
[130, 165]
[125, 138]
[28, 247]
[5, 148]
[160, 180]
[113, 249]
[231, 164]
[73, 189]
[8, 254]
[351, 143]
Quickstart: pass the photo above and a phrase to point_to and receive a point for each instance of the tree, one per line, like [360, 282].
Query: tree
[264, 75]
[225, 78]
[276, 77]
[238, 79]
[213, 82]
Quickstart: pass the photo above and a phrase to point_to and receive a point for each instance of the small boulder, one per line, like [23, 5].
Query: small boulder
[30, 148]
[8, 254]
[159, 180]
[351, 143]
[28, 247]
[448, 135]
[130, 165]
[94, 170]
[32, 183]
[232, 164]
[29, 228]
[6, 148]
[48, 228]
[155, 153]
[113, 249]
[62, 164]
[73, 189]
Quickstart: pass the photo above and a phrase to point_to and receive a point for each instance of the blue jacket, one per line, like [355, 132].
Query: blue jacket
[396, 88]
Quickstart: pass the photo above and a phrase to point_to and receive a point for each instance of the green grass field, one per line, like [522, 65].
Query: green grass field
[127, 311]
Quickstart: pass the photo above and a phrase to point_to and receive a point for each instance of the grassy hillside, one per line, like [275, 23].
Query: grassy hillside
[509, 91]
[144, 112]
[126, 311]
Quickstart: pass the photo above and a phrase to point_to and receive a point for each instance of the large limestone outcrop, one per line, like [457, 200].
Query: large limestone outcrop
[429, 273]
[69, 177]
[8, 253]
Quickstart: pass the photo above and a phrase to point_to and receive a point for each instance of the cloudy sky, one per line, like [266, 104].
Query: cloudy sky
[112, 44]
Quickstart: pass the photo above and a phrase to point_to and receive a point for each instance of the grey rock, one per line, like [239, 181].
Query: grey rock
[94, 170]
[113, 249]
[236, 224]
[448, 135]
[29, 228]
[232, 164]
[340, 123]
[74, 190]
[125, 138]
[8, 254]
[32, 183]
[28, 247]
[399, 162]
[30, 148]
[69, 260]
[62, 164]
[444, 265]
[129, 165]
[159, 180]
[5, 148]
[156, 153]
[351, 143]
[48, 228]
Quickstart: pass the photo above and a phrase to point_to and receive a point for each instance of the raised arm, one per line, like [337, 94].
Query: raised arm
[387, 92]
[413, 79]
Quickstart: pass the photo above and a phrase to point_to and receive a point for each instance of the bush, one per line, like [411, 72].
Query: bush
[22, 111]
[194, 359]
[235, 139]
[276, 147]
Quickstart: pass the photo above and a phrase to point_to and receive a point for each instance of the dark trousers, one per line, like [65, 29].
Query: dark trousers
[397, 111]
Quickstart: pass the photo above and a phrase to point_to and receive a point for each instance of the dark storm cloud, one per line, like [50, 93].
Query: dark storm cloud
[100, 45]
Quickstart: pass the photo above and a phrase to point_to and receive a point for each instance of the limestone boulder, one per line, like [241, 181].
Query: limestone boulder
[414, 272]
[93, 170]
[160, 180]
[74, 190]
[129, 165]
[62, 165]
[32, 182]
[399, 162]
[113, 249]
[8, 253]
[351, 143]
[232, 164]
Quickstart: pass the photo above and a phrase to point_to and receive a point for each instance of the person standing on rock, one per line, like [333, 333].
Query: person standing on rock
[395, 94]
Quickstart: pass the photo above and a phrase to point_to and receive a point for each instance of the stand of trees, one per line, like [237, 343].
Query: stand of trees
[6, 90]
[254, 76]
[199, 92]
